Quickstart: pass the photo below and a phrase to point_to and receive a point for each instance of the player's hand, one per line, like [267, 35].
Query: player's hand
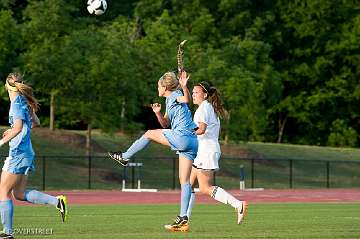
[183, 79]
[6, 132]
[156, 107]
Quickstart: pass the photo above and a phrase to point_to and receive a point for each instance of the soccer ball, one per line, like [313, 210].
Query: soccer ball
[97, 7]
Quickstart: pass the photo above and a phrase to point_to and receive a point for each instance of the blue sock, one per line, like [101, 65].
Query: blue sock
[7, 212]
[37, 197]
[138, 145]
[185, 198]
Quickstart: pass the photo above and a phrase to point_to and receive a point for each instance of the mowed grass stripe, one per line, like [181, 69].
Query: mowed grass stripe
[280, 220]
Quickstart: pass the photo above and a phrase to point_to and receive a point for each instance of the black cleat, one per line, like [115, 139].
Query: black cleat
[117, 156]
[5, 236]
[181, 224]
[62, 207]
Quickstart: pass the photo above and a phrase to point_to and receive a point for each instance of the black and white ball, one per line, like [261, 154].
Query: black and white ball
[97, 7]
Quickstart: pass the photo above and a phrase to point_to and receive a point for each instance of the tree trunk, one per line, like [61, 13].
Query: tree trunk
[88, 140]
[122, 116]
[52, 110]
[281, 128]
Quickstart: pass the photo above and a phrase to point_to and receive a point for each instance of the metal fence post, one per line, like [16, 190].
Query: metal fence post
[124, 178]
[43, 172]
[328, 174]
[89, 180]
[291, 173]
[242, 177]
[252, 174]
[133, 176]
[139, 177]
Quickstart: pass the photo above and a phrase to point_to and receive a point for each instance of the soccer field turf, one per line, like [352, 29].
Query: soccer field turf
[285, 220]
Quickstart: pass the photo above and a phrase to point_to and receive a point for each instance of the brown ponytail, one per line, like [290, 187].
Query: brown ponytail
[214, 99]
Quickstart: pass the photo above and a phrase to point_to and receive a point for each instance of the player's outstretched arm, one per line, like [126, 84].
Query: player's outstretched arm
[183, 80]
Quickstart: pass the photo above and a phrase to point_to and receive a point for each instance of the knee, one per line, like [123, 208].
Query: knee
[19, 195]
[5, 193]
[205, 190]
[147, 134]
[184, 181]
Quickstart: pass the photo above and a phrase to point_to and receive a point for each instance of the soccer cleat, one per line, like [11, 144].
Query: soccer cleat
[62, 207]
[5, 236]
[181, 224]
[117, 156]
[241, 212]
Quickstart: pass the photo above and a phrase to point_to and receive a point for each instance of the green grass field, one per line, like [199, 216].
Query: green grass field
[285, 220]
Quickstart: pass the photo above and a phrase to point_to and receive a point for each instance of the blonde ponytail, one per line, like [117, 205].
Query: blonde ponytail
[16, 83]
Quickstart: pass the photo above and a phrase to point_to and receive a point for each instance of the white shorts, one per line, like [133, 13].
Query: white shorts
[207, 161]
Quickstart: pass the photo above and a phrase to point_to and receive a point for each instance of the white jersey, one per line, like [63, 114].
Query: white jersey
[209, 141]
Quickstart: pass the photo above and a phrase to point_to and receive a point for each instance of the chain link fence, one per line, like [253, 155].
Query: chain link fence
[53, 173]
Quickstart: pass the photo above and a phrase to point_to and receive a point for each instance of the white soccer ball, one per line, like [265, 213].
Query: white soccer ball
[97, 7]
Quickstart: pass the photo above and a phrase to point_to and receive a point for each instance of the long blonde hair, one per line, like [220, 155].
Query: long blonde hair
[170, 81]
[16, 83]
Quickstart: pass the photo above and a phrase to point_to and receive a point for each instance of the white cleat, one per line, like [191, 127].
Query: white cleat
[241, 212]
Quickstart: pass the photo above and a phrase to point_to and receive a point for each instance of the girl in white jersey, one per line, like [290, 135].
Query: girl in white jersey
[207, 160]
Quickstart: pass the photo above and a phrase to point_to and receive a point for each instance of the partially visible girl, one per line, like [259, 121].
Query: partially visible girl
[21, 161]
[206, 162]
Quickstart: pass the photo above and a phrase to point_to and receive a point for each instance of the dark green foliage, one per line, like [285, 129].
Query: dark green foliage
[288, 71]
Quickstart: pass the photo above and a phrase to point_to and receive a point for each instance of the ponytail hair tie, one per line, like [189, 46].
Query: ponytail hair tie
[212, 90]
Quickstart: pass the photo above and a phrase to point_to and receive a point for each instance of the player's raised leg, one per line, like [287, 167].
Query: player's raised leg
[36, 197]
[155, 135]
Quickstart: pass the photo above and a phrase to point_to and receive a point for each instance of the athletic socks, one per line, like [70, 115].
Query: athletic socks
[191, 204]
[37, 197]
[185, 198]
[138, 145]
[221, 195]
[7, 211]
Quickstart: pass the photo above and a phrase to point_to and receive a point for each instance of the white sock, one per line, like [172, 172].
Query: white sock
[191, 204]
[221, 195]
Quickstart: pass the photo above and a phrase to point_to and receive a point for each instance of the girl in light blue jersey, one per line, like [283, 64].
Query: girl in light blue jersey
[181, 137]
[20, 162]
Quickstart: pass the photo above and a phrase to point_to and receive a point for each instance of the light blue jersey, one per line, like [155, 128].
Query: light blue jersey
[179, 114]
[21, 153]
[182, 136]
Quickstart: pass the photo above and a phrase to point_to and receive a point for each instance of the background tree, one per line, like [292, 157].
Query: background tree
[46, 24]
[288, 70]
[10, 42]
